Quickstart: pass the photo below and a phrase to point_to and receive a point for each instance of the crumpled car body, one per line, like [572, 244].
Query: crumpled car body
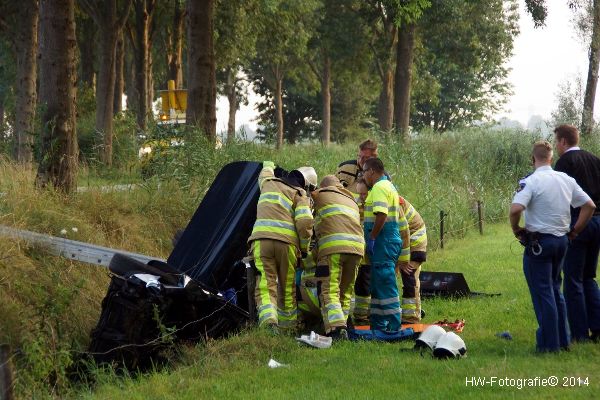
[150, 306]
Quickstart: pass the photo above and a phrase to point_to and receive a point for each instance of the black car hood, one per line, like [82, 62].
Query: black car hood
[216, 236]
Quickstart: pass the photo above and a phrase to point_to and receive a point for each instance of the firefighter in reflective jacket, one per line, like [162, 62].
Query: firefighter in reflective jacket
[281, 233]
[410, 260]
[382, 235]
[340, 247]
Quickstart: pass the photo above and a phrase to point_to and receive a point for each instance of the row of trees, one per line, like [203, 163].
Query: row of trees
[324, 67]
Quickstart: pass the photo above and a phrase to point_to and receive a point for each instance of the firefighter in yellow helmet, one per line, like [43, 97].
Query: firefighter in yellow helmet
[340, 247]
[280, 235]
[409, 263]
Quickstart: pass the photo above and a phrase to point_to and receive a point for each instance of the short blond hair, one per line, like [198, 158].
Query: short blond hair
[368, 144]
[542, 150]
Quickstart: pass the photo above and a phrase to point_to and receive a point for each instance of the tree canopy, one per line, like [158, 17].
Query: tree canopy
[326, 70]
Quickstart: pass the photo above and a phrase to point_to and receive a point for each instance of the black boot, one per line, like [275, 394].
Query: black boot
[339, 334]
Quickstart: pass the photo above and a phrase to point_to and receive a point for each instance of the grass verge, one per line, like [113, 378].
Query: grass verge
[237, 368]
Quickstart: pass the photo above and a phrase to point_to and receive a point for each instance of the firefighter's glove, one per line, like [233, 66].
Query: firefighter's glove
[268, 164]
[370, 246]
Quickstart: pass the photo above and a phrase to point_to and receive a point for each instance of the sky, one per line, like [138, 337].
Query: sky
[543, 58]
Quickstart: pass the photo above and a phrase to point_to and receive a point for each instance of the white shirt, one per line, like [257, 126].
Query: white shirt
[547, 196]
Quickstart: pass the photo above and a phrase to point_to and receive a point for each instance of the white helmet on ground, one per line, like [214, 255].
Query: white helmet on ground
[429, 337]
[450, 345]
[310, 177]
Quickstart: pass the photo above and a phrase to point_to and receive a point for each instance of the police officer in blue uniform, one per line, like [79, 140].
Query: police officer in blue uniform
[546, 197]
[582, 295]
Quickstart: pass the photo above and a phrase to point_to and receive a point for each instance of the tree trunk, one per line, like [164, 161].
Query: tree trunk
[404, 64]
[587, 118]
[142, 24]
[279, 111]
[87, 54]
[176, 59]
[150, 84]
[130, 89]
[58, 165]
[119, 81]
[202, 85]
[26, 46]
[233, 104]
[110, 17]
[326, 97]
[386, 101]
[105, 92]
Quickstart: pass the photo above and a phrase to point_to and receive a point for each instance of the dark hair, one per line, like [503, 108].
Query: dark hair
[567, 132]
[375, 164]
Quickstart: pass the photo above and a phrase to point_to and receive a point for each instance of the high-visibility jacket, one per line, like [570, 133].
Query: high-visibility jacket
[337, 222]
[418, 232]
[383, 198]
[283, 212]
[347, 173]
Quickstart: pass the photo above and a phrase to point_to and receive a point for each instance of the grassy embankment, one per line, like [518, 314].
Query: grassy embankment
[49, 305]
[237, 368]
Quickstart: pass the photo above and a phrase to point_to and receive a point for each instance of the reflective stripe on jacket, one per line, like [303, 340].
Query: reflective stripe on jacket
[283, 212]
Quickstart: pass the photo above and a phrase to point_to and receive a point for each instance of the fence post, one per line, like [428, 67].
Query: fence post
[6, 374]
[442, 228]
[480, 216]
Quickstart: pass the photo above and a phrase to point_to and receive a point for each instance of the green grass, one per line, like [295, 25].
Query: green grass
[49, 305]
[237, 368]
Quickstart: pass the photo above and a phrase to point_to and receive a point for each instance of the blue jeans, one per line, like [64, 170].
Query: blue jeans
[542, 272]
[582, 295]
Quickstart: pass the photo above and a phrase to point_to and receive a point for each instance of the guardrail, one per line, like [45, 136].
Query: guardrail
[72, 249]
